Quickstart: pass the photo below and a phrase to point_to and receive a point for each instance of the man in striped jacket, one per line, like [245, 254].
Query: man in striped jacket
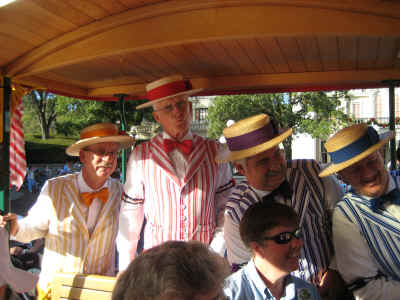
[366, 224]
[173, 180]
[77, 214]
[253, 148]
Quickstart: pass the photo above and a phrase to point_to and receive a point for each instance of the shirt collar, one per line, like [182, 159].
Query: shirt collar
[252, 273]
[84, 188]
[188, 136]
[261, 193]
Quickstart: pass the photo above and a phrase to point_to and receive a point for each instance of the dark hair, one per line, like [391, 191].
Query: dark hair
[172, 270]
[263, 216]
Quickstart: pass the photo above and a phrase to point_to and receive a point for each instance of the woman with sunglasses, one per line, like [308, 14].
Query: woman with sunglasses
[271, 231]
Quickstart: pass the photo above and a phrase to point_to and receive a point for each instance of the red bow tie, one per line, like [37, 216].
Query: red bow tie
[185, 146]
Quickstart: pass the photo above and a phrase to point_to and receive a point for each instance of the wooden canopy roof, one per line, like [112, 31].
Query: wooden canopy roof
[99, 48]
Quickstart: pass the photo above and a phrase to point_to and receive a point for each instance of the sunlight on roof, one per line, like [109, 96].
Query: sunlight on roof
[5, 2]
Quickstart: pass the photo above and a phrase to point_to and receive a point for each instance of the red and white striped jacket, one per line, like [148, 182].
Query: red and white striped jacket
[175, 209]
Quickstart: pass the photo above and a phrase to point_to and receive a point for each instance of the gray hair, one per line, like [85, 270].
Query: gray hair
[242, 162]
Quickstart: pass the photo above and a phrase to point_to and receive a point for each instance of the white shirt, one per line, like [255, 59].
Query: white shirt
[355, 260]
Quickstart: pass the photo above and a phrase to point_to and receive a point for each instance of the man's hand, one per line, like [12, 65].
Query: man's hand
[332, 286]
[16, 251]
[12, 219]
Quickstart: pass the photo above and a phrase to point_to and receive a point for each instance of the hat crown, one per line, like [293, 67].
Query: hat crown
[163, 81]
[246, 125]
[99, 130]
[345, 137]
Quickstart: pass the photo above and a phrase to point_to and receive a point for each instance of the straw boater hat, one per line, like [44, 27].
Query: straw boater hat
[166, 88]
[249, 137]
[351, 145]
[100, 133]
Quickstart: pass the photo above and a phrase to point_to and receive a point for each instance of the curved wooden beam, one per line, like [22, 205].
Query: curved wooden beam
[285, 81]
[180, 22]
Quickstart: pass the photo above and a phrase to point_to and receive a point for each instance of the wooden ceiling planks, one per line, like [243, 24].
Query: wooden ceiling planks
[101, 46]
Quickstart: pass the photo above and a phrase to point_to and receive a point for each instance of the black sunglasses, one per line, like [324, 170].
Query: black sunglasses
[286, 237]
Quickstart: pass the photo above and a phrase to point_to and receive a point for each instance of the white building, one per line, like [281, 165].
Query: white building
[365, 106]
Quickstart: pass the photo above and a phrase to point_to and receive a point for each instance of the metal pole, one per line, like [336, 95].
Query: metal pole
[122, 112]
[392, 84]
[5, 204]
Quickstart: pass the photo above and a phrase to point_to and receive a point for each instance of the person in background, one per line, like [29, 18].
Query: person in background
[18, 280]
[271, 231]
[77, 214]
[174, 270]
[253, 147]
[366, 224]
[173, 180]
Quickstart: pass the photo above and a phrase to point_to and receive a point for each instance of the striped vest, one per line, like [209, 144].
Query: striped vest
[68, 246]
[179, 209]
[380, 229]
[308, 197]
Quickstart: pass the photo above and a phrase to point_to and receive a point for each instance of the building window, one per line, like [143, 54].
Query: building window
[324, 154]
[356, 110]
[201, 114]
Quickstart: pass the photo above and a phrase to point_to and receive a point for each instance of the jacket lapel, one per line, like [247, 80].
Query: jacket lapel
[74, 199]
[108, 209]
[196, 157]
[162, 159]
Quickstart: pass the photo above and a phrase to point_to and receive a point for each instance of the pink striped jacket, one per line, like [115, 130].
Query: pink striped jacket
[175, 209]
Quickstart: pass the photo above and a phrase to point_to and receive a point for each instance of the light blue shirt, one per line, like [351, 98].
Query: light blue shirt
[247, 284]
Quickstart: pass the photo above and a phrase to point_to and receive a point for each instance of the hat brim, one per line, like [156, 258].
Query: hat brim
[226, 155]
[124, 141]
[150, 103]
[333, 168]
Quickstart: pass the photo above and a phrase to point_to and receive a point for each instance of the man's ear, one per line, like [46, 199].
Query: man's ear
[240, 168]
[155, 116]
[82, 156]
[256, 249]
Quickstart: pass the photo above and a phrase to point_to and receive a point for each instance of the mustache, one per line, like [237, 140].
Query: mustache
[370, 179]
[274, 173]
[108, 165]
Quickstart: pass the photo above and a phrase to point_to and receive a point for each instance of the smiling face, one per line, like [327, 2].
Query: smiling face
[280, 259]
[266, 170]
[174, 115]
[99, 162]
[368, 176]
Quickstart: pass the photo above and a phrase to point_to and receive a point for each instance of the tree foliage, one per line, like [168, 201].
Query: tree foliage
[315, 113]
[55, 114]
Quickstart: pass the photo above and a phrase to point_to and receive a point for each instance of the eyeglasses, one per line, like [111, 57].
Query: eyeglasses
[170, 108]
[286, 237]
[103, 153]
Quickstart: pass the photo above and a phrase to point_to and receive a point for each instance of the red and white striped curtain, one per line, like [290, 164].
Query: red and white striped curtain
[17, 139]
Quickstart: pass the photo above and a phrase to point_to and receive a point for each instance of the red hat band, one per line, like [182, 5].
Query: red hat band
[168, 89]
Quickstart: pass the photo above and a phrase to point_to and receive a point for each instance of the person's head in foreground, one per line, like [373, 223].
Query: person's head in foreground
[253, 148]
[98, 150]
[173, 270]
[271, 230]
[356, 157]
[171, 108]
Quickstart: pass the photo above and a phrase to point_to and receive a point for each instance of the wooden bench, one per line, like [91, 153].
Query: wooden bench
[79, 286]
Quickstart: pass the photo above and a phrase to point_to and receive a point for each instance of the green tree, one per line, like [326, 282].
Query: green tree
[316, 113]
[67, 116]
[43, 105]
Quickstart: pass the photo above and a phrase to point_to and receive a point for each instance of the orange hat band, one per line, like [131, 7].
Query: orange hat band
[99, 133]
